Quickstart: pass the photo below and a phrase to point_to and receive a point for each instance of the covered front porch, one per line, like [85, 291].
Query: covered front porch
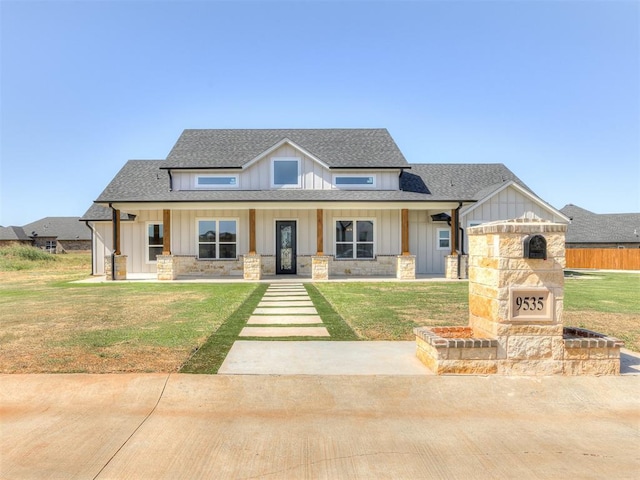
[266, 241]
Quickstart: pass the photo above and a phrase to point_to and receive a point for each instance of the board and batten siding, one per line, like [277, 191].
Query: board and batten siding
[258, 175]
[423, 242]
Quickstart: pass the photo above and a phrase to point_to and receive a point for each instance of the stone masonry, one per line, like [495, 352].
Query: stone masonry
[515, 311]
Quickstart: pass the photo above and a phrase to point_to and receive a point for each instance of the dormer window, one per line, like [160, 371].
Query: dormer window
[354, 181]
[285, 172]
[216, 181]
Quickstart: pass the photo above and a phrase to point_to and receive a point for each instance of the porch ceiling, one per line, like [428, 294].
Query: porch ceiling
[135, 206]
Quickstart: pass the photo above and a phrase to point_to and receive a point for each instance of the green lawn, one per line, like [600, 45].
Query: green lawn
[48, 324]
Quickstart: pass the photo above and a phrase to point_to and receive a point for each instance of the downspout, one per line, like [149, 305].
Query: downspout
[114, 240]
[460, 248]
[170, 181]
[93, 270]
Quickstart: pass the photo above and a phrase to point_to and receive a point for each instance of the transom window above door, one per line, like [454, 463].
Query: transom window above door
[285, 172]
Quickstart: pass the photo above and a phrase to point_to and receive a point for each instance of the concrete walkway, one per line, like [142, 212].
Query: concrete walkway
[285, 311]
[176, 426]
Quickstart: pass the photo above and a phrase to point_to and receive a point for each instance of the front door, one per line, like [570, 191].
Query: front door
[286, 247]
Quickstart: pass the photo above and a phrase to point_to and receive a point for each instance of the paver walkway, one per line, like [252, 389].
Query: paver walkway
[285, 310]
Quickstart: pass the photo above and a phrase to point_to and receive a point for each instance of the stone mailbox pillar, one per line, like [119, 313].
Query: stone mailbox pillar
[517, 300]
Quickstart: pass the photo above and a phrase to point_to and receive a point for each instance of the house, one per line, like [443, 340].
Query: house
[313, 202]
[601, 230]
[11, 236]
[53, 234]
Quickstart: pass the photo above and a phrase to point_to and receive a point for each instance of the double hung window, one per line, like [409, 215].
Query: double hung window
[444, 239]
[354, 239]
[217, 238]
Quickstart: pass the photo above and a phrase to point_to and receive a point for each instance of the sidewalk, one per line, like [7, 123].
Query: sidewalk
[295, 427]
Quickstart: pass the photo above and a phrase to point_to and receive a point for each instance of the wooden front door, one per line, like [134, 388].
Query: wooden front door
[286, 247]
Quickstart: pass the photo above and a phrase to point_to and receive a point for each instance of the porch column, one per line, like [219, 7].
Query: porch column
[454, 231]
[319, 262]
[252, 231]
[166, 232]
[405, 231]
[252, 262]
[319, 232]
[118, 270]
[115, 217]
[452, 261]
[406, 263]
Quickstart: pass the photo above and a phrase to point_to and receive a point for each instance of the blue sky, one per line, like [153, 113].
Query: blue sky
[549, 88]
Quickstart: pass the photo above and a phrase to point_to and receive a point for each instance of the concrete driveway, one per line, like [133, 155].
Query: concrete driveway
[160, 426]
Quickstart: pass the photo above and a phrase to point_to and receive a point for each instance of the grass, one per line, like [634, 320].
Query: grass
[48, 324]
[209, 357]
[390, 310]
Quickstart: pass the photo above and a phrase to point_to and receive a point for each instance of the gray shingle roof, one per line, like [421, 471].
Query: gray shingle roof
[145, 181]
[63, 228]
[589, 227]
[13, 234]
[338, 148]
[458, 182]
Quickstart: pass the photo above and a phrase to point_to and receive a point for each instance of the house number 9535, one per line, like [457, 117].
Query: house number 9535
[530, 303]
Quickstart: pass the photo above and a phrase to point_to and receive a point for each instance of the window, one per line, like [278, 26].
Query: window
[354, 181]
[285, 172]
[216, 181]
[155, 241]
[217, 239]
[50, 246]
[354, 238]
[444, 239]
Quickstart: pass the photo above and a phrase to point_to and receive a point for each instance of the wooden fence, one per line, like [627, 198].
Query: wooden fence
[604, 258]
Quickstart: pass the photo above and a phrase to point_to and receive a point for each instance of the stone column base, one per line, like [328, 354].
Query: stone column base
[165, 268]
[320, 268]
[406, 267]
[252, 268]
[120, 267]
[451, 267]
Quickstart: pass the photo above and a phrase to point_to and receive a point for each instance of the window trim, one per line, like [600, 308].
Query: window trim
[355, 243]
[438, 230]
[353, 185]
[146, 240]
[217, 242]
[274, 160]
[216, 175]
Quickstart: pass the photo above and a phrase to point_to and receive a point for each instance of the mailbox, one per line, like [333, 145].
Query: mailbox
[535, 246]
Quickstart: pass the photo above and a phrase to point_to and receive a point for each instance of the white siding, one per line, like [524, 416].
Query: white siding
[423, 241]
[314, 176]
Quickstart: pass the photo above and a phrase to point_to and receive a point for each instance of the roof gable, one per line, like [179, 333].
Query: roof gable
[235, 148]
[494, 190]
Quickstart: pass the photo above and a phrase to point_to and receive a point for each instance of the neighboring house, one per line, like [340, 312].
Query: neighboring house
[10, 236]
[295, 202]
[601, 230]
[53, 234]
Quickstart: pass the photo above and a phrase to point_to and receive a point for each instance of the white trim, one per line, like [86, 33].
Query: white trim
[354, 186]
[355, 221]
[146, 240]
[438, 230]
[298, 161]
[282, 142]
[216, 175]
[217, 242]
